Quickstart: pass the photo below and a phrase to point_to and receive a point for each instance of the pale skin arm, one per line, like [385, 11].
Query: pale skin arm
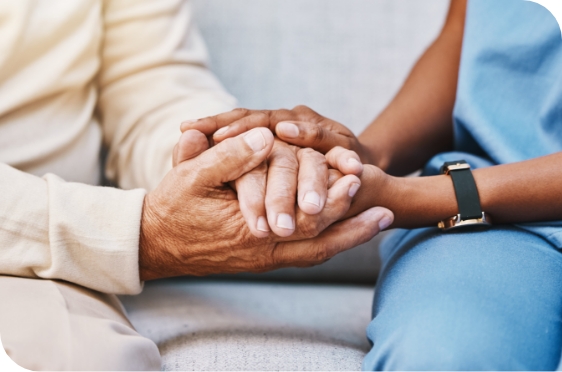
[415, 126]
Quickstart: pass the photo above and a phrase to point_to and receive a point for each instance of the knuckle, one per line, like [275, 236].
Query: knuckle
[302, 109]
[313, 163]
[184, 171]
[280, 200]
[261, 118]
[275, 259]
[267, 260]
[322, 253]
[309, 228]
[252, 200]
[319, 158]
[308, 153]
[195, 174]
[317, 135]
[241, 111]
[350, 154]
[283, 160]
[349, 142]
[224, 150]
[277, 116]
[260, 265]
[336, 174]
[256, 175]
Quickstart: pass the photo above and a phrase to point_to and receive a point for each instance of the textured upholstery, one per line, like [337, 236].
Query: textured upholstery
[346, 59]
[203, 325]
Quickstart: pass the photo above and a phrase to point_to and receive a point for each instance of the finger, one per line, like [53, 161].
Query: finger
[211, 124]
[305, 134]
[337, 238]
[251, 196]
[191, 144]
[312, 181]
[338, 202]
[281, 189]
[255, 119]
[265, 118]
[333, 176]
[346, 161]
[232, 158]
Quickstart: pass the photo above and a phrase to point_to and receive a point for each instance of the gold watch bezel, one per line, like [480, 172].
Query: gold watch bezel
[456, 222]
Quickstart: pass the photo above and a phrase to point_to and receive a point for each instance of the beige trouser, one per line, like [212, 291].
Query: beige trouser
[53, 325]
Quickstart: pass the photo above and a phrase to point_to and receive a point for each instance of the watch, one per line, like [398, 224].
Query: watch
[468, 201]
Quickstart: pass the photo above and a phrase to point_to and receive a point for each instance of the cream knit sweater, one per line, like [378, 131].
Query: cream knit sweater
[74, 74]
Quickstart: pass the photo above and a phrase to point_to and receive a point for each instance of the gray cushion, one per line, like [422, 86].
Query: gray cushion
[202, 325]
[344, 58]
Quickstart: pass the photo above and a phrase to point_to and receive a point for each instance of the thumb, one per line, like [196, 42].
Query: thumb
[190, 144]
[234, 157]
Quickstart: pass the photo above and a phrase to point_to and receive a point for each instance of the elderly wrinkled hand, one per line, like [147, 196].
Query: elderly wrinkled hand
[192, 222]
[305, 128]
[290, 177]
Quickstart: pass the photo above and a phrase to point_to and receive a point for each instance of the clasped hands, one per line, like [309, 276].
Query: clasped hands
[239, 199]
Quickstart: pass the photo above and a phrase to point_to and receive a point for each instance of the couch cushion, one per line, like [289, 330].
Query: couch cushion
[202, 325]
[344, 58]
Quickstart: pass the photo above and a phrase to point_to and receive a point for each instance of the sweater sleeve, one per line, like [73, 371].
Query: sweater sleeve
[153, 77]
[53, 229]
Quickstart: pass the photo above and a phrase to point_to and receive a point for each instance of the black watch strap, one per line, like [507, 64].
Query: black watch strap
[465, 189]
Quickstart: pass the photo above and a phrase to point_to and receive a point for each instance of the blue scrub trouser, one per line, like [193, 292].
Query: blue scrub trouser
[467, 300]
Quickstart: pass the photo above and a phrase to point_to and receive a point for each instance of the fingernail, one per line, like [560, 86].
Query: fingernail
[285, 221]
[222, 131]
[354, 161]
[255, 140]
[288, 130]
[385, 222]
[312, 197]
[262, 224]
[353, 189]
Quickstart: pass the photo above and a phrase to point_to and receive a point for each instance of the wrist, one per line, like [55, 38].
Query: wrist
[421, 201]
[375, 187]
[415, 201]
[151, 242]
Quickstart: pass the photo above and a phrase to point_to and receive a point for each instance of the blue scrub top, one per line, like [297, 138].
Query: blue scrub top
[509, 96]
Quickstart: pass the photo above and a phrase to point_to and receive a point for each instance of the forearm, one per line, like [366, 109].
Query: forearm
[154, 76]
[83, 234]
[418, 122]
[520, 192]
